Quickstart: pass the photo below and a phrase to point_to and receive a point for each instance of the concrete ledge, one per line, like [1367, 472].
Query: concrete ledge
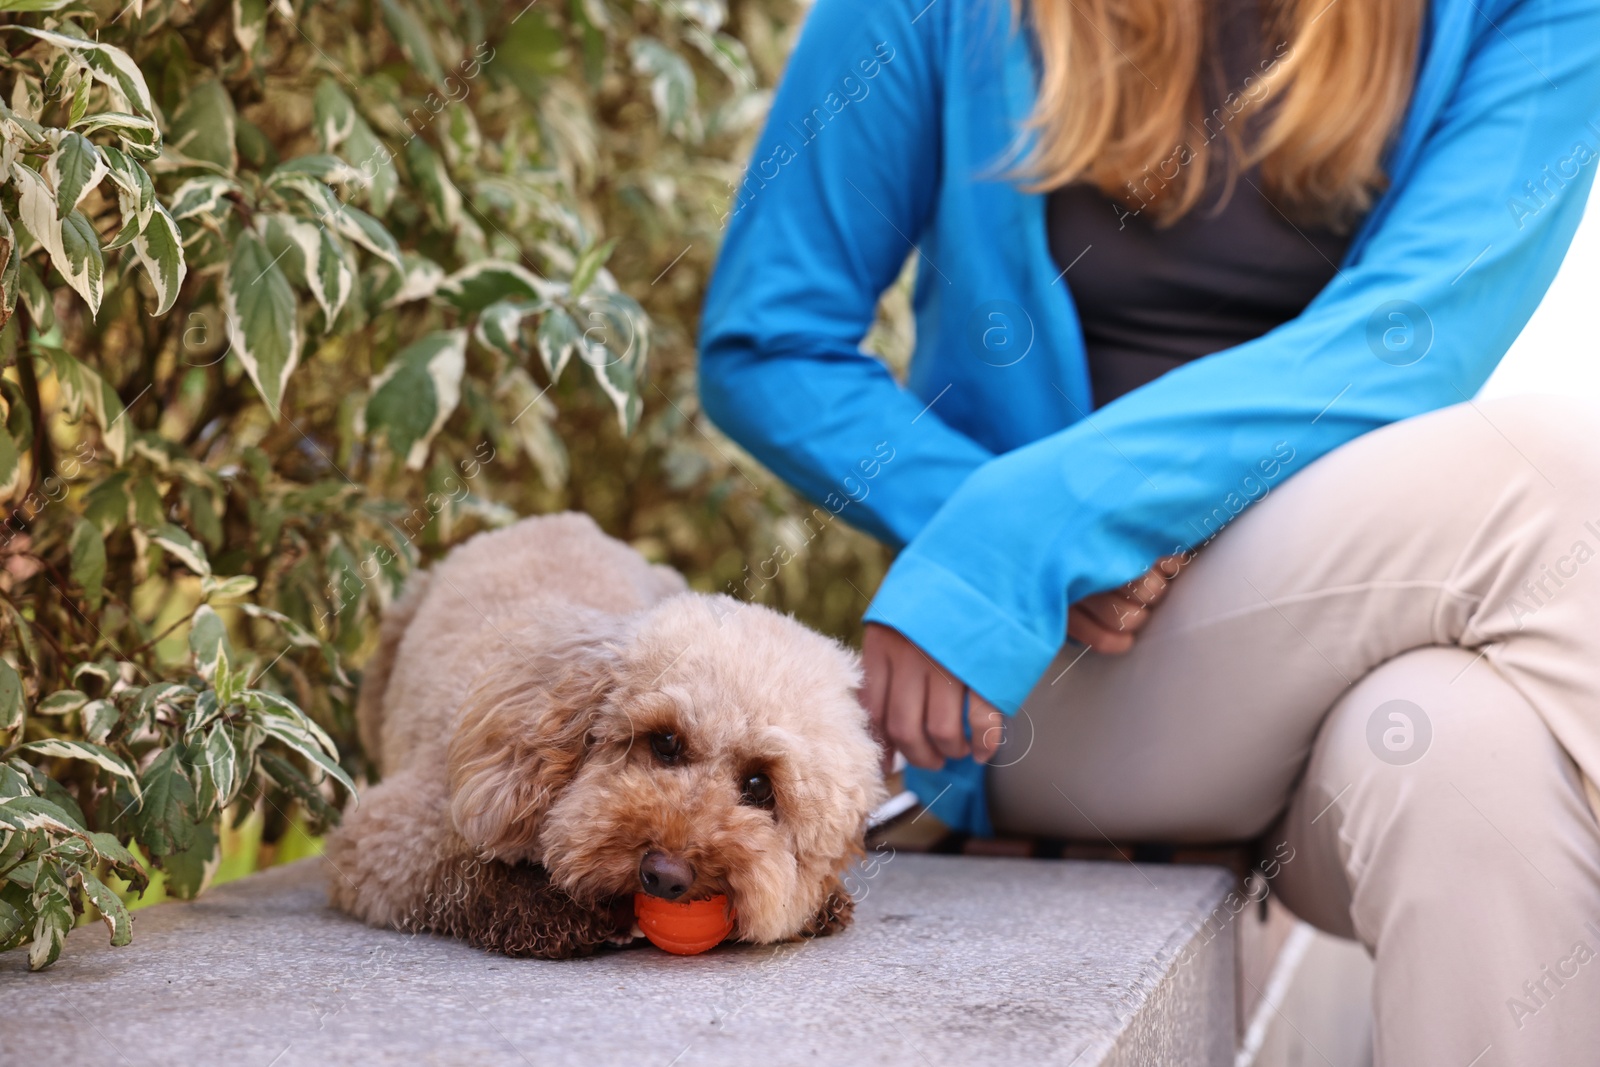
[952, 960]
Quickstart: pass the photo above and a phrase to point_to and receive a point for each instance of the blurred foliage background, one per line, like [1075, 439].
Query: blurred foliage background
[300, 294]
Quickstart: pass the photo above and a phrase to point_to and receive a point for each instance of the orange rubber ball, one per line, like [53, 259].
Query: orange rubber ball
[683, 929]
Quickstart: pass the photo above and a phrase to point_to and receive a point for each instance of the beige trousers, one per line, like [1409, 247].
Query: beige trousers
[1387, 666]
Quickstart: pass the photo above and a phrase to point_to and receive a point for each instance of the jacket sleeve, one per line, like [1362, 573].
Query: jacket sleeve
[1471, 238]
[843, 179]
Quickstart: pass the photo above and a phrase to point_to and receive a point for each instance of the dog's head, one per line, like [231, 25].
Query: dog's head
[705, 746]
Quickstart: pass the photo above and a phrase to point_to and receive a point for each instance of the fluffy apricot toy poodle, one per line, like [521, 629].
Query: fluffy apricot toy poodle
[560, 725]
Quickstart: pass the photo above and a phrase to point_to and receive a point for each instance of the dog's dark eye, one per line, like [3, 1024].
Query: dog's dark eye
[667, 747]
[756, 791]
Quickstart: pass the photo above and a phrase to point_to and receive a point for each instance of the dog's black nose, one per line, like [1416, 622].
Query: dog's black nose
[664, 875]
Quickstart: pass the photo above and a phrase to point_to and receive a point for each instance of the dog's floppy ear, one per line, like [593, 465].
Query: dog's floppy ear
[519, 738]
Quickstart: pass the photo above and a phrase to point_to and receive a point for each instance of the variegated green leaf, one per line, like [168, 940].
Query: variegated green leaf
[222, 764]
[79, 85]
[185, 549]
[260, 311]
[477, 285]
[23, 628]
[86, 263]
[295, 782]
[297, 738]
[615, 346]
[190, 870]
[74, 168]
[12, 704]
[113, 912]
[333, 114]
[428, 174]
[336, 274]
[320, 200]
[55, 77]
[52, 908]
[207, 709]
[61, 702]
[145, 132]
[109, 65]
[614, 322]
[557, 339]
[168, 697]
[208, 642]
[204, 195]
[88, 562]
[312, 260]
[72, 243]
[113, 852]
[13, 782]
[324, 166]
[369, 233]
[729, 55]
[236, 585]
[12, 922]
[10, 463]
[10, 271]
[36, 813]
[18, 131]
[621, 387]
[205, 126]
[250, 26]
[672, 86]
[268, 703]
[36, 298]
[409, 33]
[420, 280]
[136, 196]
[462, 138]
[104, 758]
[369, 155]
[499, 327]
[33, 5]
[416, 393]
[164, 820]
[589, 264]
[160, 251]
[298, 635]
[98, 718]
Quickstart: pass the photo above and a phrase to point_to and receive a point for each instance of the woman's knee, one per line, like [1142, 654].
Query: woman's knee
[1438, 724]
[1431, 774]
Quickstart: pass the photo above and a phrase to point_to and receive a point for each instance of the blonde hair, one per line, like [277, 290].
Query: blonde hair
[1120, 104]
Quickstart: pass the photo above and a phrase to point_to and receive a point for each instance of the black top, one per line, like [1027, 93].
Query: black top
[1152, 299]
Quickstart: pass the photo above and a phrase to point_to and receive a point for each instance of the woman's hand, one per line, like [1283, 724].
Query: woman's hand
[914, 704]
[1107, 622]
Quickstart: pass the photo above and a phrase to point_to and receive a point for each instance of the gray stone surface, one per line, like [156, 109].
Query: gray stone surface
[952, 960]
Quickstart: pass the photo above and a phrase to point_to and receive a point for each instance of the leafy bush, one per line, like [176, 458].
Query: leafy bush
[298, 295]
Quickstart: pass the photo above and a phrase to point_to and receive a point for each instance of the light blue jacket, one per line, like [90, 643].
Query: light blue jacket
[1010, 502]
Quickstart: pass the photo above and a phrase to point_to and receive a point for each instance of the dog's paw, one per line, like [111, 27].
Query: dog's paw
[515, 910]
[625, 928]
[836, 913]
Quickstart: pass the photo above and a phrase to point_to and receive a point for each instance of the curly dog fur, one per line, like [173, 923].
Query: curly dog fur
[517, 706]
